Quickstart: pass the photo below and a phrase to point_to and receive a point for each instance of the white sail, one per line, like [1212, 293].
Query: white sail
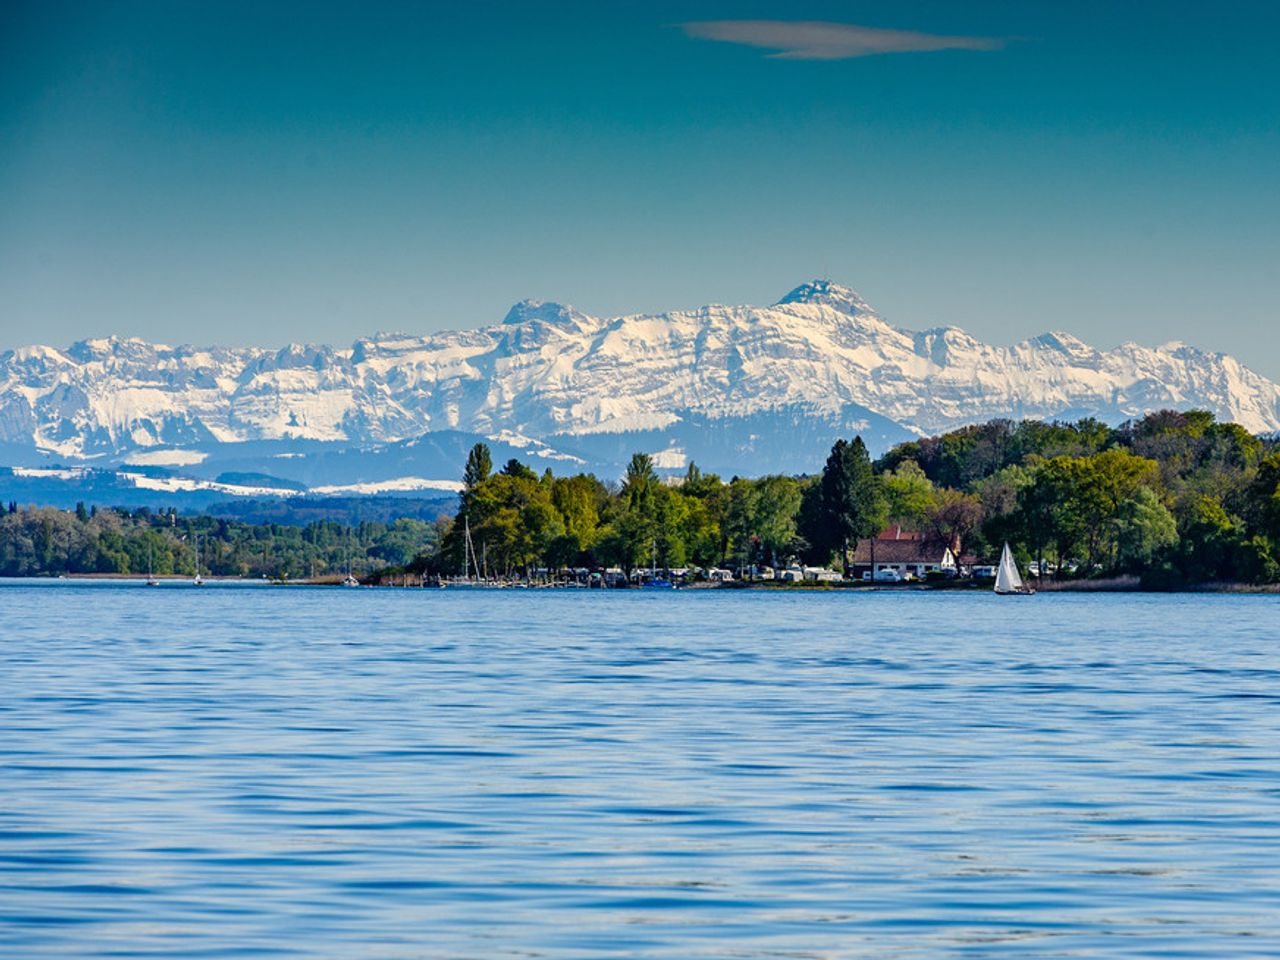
[1007, 579]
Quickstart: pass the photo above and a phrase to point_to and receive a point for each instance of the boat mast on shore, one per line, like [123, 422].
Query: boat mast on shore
[199, 580]
[350, 580]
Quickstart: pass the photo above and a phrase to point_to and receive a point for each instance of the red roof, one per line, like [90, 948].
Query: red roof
[901, 551]
[896, 533]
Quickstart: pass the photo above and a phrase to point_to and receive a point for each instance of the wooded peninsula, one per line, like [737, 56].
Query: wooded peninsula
[1174, 499]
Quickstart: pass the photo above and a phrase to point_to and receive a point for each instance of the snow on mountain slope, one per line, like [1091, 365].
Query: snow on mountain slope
[550, 370]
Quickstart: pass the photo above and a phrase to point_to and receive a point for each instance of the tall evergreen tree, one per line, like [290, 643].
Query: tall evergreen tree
[639, 524]
[514, 468]
[853, 505]
[479, 466]
[640, 476]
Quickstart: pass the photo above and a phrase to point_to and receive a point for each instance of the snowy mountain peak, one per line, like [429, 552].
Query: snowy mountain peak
[34, 354]
[1060, 342]
[829, 294]
[112, 349]
[544, 311]
[943, 344]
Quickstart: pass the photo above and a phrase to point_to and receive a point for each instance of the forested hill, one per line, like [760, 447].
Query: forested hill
[1175, 497]
[46, 541]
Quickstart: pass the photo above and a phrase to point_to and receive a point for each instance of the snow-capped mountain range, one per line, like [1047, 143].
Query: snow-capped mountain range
[550, 379]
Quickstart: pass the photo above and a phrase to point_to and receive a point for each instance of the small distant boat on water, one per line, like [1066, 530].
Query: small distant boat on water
[199, 580]
[151, 577]
[1008, 582]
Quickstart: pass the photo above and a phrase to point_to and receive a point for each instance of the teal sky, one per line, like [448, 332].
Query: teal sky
[249, 172]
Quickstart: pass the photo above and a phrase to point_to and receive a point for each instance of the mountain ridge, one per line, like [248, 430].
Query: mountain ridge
[549, 370]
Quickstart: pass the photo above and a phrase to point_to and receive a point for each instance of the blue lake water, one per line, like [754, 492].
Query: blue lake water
[241, 771]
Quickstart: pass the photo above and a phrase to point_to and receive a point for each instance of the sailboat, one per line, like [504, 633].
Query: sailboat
[1008, 582]
[350, 581]
[151, 577]
[470, 561]
[469, 553]
[199, 580]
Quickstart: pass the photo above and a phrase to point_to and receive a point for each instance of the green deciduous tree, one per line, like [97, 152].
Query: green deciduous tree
[773, 517]
[953, 517]
[1144, 528]
[909, 495]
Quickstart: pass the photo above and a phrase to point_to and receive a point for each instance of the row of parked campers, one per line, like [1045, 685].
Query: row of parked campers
[796, 574]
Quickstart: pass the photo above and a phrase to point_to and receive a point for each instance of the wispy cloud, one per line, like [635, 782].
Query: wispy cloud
[822, 40]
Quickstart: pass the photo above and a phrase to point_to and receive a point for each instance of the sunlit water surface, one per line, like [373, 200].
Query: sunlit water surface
[254, 771]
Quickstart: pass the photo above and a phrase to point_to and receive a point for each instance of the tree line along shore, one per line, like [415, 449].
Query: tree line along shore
[1172, 500]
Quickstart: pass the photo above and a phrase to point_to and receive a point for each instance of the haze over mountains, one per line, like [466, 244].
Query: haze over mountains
[739, 389]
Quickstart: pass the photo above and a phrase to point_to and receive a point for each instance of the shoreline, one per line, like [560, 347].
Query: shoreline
[1129, 584]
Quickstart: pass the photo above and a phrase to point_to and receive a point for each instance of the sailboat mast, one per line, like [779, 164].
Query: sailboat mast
[469, 553]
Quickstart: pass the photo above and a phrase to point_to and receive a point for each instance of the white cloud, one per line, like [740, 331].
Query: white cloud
[821, 40]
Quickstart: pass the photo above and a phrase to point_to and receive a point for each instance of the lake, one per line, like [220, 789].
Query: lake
[243, 771]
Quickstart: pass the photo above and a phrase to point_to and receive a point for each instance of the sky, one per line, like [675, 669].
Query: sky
[260, 173]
